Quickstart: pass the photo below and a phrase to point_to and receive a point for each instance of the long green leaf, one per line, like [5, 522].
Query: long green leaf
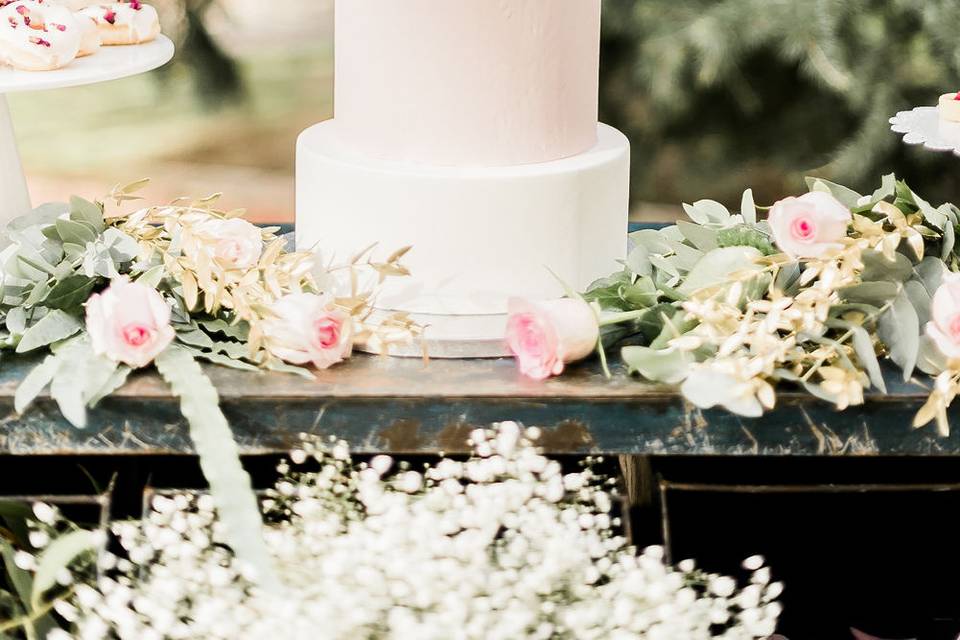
[899, 328]
[35, 382]
[57, 556]
[219, 455]
[53, 327]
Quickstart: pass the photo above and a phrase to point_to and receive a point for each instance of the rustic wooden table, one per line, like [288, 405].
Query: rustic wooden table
[409, 406]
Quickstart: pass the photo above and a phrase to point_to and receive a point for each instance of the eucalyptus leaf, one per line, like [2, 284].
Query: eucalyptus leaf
[685, 256]
[116, 380]
[53, 327]
[87, 212]
[44, 214]
[848, 197]
[659, 365]
[16, 320]
[866, 354]
[931, 360]
[282, 367]
[650, 239]
[35, 382]
[875, 293]
[877, 267]
[703, 238]
[707, 212]
[638, 261]
[71, 293]
[717, 266]
[75, 362]
[920, 300]
[222, 360]
[152, 277]
[75, 232]
[930, 273]
[899, 329]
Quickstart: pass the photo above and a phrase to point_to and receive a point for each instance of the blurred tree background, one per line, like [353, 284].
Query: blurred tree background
[716, 95]
[719, 95]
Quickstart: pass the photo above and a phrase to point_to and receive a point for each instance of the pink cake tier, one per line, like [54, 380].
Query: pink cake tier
[467, 82]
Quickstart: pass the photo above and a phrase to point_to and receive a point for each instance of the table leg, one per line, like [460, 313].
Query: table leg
[14, 197]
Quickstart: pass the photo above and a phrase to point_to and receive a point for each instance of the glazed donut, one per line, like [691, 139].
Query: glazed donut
[125, 22]
[38, 36]
[89, 35]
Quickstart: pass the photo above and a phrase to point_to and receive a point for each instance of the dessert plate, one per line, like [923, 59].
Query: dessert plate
[109, 63]
[923, 126]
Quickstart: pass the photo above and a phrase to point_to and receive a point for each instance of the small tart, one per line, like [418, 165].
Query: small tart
[38, 36]
[123, 23]
[949, 107]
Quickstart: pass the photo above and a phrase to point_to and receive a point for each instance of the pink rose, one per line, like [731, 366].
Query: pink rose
[308, 328]
[944, 327]
[544, 336]
[235, 243]
[809, 226]
[129, 323]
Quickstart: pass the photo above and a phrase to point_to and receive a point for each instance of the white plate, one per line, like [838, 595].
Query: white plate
[109, 63]
[923, 126]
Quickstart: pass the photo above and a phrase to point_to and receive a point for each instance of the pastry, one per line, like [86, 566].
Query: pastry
[122, 23]
[36, 35]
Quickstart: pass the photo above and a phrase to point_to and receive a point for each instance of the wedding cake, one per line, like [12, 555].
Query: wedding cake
[468, 130]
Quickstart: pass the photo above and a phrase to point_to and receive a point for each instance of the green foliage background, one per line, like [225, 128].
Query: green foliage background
[718, 95]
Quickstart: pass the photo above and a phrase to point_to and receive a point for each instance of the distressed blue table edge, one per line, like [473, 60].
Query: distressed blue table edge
[406, 406]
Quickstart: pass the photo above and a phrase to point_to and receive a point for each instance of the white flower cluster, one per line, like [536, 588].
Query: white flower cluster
[502, 546]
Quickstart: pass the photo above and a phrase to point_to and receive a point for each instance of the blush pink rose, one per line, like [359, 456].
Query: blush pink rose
[129, 323]
[944, 325]
[307, 328]
[235, 243]
[810, 225]
[544, 336]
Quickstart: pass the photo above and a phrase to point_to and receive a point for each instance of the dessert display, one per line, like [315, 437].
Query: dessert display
[43, 35]
[469, 131]
[949, 107]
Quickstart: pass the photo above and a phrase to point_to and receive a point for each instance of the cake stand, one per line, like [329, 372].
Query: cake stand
[923, 126]
[109, 63]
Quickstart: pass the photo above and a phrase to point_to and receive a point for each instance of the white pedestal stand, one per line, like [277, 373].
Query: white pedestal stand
[923, 126]
[110, 63]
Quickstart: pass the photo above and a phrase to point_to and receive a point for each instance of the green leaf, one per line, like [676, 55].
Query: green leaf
[53, 327]
[875, 293]
[282, 367]
[703, 238]
[920, 300]
[75, 362]
[642, 293]
[651, 240]
[877, 267]
[638, 261]
[44, 214]
[222, 360]
[848, 197]
[16, 320]
[707, 212]
[899, 329]
[71, 293]
[35, 382]
[659, 365]
[931, 360]
[685, 256]
[85, 211]
[75, 232]
[748, 208]
[219, 456]
[239, 331]
[59, 555]
[116, 380]
[194, 337]
[153, 277]
[866, 354]
[717, 267]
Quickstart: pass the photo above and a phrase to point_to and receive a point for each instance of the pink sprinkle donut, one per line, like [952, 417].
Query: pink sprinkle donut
[36, 35]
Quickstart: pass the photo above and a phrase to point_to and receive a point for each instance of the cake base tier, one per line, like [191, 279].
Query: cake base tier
[479, 235]
[447, 336]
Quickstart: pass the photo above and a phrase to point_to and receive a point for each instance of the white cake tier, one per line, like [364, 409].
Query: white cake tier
[468, 82]
[479, 235]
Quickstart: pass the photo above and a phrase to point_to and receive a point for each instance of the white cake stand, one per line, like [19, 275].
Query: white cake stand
[110, 63]
[923, 126]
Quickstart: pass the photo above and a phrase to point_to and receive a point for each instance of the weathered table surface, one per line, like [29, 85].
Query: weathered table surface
[407, 406]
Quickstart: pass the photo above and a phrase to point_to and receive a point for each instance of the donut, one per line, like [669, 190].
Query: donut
[36, 35]
[125, 22]
[89, 35]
